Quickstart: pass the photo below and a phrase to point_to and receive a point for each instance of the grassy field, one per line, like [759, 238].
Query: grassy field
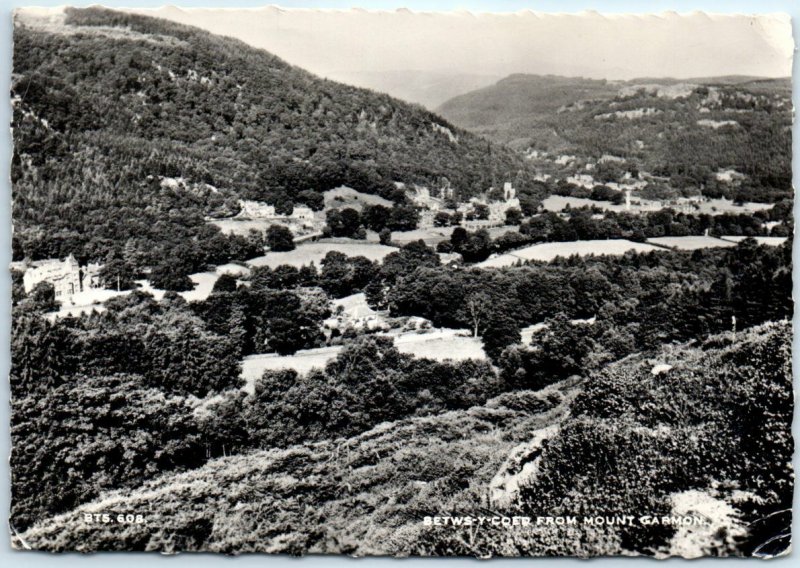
[710, 207]
[690, 243]
[303, 361]
[431, 236]
[344, 196]
[203, 284]
[439, 344]
[548, 251]
[242, 226]
[314, 252]
[720, 206]
[772, 241]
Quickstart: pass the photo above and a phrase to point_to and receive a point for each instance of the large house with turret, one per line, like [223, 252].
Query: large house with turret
[66, 276]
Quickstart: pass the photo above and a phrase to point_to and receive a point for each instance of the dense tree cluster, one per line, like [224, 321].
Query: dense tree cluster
[103, 401]
[590, 224]
[639, 301]
[348, 222]
[369, 382]
[586, 224]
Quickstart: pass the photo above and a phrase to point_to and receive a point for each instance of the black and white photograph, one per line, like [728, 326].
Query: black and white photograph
[401, 283]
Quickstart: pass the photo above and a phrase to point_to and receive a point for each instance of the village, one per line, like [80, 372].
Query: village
[78, 289]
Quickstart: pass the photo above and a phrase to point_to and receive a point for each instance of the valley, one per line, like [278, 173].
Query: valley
[270, 312]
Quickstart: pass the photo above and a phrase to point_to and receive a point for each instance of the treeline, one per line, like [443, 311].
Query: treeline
[593, 224]
[587, 223]
[369, 382]
[351, 223]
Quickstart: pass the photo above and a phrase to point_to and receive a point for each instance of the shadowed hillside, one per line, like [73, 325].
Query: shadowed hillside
[108, 105]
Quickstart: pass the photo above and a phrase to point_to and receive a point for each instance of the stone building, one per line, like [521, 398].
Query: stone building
[66, 276]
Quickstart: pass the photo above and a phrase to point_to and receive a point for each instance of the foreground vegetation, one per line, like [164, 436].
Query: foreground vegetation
[632, 442]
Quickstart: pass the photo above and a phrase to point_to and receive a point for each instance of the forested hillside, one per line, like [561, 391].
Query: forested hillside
[634, 441]
[107, 106]
[685, 132]
[511, 110]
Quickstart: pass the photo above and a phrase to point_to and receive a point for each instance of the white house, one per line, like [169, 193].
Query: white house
[66, 276]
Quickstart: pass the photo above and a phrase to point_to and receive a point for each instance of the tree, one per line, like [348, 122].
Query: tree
[168, 275]
[385, 237]
[513, 216]
[480, 211]
[280, 238]
[375, 217]
[314, 200]
[344, 223]
[477, 307]
[286, 335]
[501, 330]
[284, 206]
[43, 297]
[403, 218]
[477, 247]
[225, 283]
[441, 219]
[116, 273]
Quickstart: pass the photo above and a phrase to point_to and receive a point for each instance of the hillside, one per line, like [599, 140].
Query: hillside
[119, 116]
[687, 131]
[509, 109]
[639, 438]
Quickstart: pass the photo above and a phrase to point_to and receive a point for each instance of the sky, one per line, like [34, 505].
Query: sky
[337, 42]
[430, 57]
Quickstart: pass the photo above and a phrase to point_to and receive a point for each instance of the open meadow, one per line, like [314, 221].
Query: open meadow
[307, 253]
[708, 206]
[692, 242]
[548, 251]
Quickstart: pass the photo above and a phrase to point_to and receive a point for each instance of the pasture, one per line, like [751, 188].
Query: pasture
[710, 206]
[771, 241]
[548, 251]
[242, 227]
[307, 253]
[344, 196]
[693, 242]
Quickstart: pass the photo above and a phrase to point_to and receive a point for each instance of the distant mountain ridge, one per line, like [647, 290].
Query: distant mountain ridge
[427, 88]
[495, 110]
[671, 127]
